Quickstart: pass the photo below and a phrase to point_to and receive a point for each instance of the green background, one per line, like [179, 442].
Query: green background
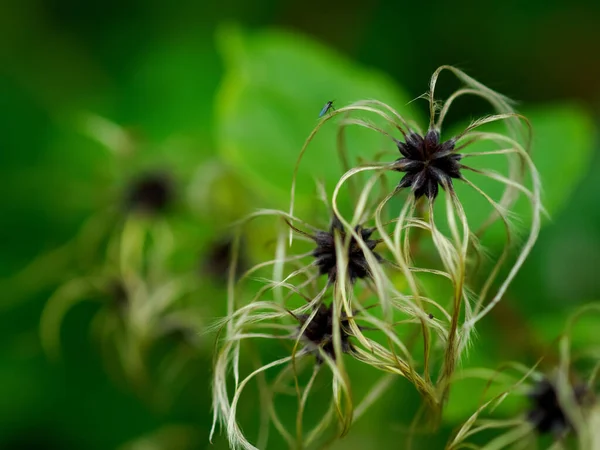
[233, 88]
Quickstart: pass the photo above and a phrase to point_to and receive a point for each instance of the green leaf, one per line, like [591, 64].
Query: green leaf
[562, 151]
[170, 90]
[275, 86]
[583, 332]
[563, 141]
[489, 376]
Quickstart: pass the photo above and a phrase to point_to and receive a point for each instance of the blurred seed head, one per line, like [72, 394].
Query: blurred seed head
[546, 412]
[217, 258]
[151, 193]
[118, 295]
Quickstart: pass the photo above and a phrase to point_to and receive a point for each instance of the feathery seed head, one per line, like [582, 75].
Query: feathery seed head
[546, 413]
[319, 331]
[427, 163]
[325, 253]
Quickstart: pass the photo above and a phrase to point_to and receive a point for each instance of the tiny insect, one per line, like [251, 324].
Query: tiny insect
[327, 107]
[430, 315]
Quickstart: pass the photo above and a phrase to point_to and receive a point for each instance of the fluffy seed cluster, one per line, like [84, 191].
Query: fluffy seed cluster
[428, 163]
[326, 256]
[429, 255]
[546, 413]
[319, 331]
[560, 409]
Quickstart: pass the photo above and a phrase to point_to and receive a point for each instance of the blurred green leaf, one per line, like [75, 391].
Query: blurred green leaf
[275, 86]
[583, 333]
[170, 90]
[488, 376]
[563, 142]
[466, 396]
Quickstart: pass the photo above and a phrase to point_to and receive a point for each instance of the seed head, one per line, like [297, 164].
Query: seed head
[326, 256]
[217, 259]
[117, 294]
[427, 163]
[546, 413]
[151, 193]
[319, 331]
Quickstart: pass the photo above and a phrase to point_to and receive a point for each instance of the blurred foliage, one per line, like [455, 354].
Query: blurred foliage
[96, 94]
[555, 128]
[271, 96]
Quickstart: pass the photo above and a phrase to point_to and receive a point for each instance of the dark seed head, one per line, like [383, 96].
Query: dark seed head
[151, 193]
[428, 163]
[546, 413]
[117, 295]
[325, 253]
[216, 259]
[178, 332]
[320, 331]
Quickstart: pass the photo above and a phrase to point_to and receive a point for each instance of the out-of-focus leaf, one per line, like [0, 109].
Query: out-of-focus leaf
[275, 86]
[176, 437]
[171, 90]
[583, 332]
[563, 140]
[488, 377]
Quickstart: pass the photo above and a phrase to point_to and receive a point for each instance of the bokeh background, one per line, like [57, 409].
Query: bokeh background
[94, 95]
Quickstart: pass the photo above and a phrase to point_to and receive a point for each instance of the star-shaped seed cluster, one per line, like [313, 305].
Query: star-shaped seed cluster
[326, 257]
[428, 164]
[319, 331]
